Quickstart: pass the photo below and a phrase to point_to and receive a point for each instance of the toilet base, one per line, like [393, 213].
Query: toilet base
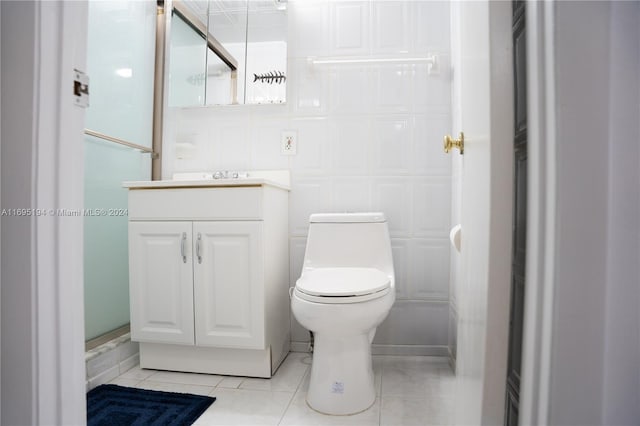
[342, 380]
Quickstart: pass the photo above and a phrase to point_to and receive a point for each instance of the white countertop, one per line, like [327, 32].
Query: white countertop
[277, 178]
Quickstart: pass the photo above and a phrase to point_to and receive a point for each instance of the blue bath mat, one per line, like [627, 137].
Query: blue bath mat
[111, 405]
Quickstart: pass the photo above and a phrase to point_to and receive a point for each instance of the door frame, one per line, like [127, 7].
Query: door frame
[43, 367]
[541, 215]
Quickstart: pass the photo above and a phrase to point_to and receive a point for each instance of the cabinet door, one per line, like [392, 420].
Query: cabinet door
[161, 282]
[228, 284]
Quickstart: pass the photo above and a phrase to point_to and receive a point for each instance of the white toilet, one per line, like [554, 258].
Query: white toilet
[345, 291]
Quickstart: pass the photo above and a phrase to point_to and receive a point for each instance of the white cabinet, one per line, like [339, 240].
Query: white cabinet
[228, 289]
[206, 294]
[161, 282]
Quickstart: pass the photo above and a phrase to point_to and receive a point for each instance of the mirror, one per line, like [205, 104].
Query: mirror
[227, 52]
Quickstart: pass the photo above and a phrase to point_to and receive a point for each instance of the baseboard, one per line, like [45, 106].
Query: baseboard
[402, 350]
[410, 350]
[109, 360]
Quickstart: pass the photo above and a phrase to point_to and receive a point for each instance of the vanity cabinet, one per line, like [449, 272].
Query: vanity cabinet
[197, 283]
[209, 278]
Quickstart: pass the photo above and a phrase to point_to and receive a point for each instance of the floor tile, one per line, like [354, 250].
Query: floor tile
[245, 407]
[186, 378]
[403, 411]
[138, 373]
[300, 414]
[120, 381]
[175, 387]
[416, 378]
[231, 382]
[287, 377]
[411, 390]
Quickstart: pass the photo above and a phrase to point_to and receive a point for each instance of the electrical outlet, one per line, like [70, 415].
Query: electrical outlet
[289, 142]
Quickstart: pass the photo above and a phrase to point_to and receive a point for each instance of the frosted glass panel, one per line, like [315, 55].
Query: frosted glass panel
[121, 42]
[187, 65]
[120, 64]
[106, 263]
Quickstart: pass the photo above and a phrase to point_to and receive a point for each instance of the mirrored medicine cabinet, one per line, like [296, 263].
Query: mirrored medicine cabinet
[227, 52]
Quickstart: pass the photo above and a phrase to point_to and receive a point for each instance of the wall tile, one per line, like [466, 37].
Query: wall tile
[400, 253]
[392, 195]
[191, 148]
[314, 145]
[429, 270]
[419, 80]
[307, 196]
[308, 27]
[350, 28]
[429, 157]
[308, 87]
[297, 246]
[438, 85]
[432, 91]
[431, 207]
[391, 26]
[431, 26]
[350, 89]
[392, 86]
[230, 144]
[351, 194]
[264, 144]
[350, 146]
[415, 323]
[391, 145]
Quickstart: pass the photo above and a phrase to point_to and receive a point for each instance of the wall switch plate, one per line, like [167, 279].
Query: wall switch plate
[289, 142]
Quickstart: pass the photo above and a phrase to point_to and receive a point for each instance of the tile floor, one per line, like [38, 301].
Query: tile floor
[411, 391]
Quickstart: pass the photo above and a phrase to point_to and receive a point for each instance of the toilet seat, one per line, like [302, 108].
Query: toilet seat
[342, 285]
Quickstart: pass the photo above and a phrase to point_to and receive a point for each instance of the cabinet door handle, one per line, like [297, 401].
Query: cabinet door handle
[199, 247]
[183, 244]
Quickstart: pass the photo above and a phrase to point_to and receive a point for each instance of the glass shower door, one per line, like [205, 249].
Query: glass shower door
[121, 49]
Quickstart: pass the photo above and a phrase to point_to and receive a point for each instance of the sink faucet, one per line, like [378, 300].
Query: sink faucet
[221, 174]
[226, 174]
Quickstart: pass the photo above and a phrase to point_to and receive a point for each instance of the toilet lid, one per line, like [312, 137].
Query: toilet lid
[342, 282]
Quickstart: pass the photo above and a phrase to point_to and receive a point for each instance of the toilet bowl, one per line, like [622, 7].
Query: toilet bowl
[345, 291]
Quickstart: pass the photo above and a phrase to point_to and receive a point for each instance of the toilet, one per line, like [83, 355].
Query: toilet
[345, 291]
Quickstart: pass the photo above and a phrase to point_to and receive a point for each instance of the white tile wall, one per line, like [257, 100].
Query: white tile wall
[349, 24]
[389, 37]
[369, 138]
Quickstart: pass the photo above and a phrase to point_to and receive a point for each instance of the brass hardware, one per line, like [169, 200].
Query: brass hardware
[450, 143]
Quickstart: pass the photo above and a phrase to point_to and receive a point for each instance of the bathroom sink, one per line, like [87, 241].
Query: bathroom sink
[277, 178]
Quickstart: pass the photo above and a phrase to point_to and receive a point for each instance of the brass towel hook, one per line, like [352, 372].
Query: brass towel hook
[450, 143]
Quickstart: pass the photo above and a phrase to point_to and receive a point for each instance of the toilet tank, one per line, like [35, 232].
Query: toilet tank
[349, 240]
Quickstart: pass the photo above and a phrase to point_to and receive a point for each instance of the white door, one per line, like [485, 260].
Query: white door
[481, 57]
[161, 282]
[228, 285]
